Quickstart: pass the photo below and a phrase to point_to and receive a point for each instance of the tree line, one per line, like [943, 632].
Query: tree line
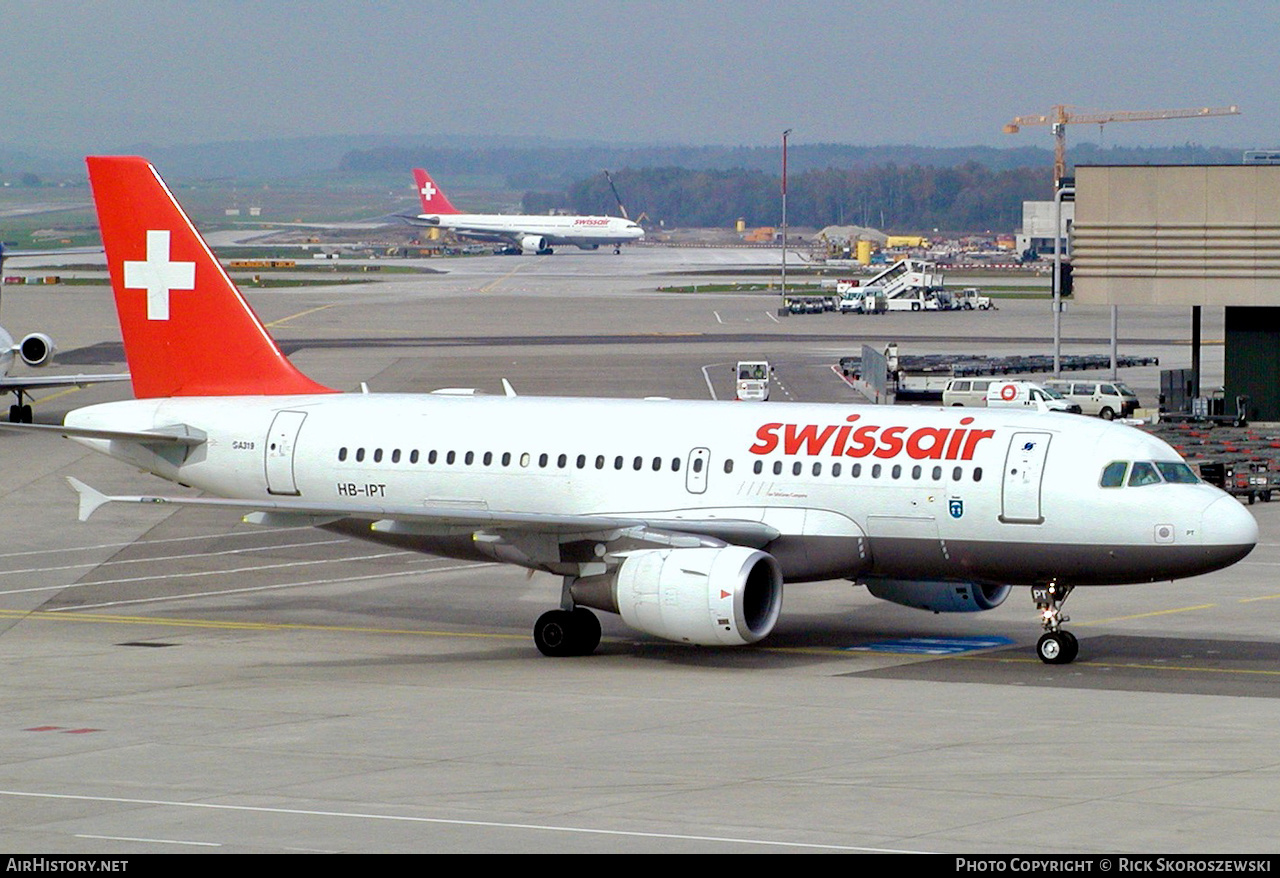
[969, 198]
[907, 189]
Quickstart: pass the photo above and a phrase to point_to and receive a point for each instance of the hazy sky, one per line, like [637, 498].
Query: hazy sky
[96, 76]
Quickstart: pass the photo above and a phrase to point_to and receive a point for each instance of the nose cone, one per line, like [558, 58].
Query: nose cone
[1228, 531]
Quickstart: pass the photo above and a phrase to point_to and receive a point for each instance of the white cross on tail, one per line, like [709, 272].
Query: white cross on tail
[158, 275]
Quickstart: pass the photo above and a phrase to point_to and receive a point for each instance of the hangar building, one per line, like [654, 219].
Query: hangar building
[1190, 236]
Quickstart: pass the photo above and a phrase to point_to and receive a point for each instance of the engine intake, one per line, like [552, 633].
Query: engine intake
[726, 596]
[533, 242]
[36, 349]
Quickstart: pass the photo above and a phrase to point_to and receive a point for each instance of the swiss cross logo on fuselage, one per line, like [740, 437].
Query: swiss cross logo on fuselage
[159, 275]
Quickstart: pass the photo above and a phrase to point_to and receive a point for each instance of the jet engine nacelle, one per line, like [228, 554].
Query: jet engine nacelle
[36, 349]
[533, 242]
[937, 596]
[726, 596]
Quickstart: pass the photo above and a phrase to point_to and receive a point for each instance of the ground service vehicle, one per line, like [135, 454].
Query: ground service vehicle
[1106, 399]
[753, 380]
[966, 391]
[1027, 394]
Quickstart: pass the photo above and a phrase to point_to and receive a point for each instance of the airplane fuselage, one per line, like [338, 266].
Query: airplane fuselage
[578, 231]
[987, 496]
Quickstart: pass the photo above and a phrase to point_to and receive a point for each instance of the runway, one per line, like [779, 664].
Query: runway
[178, 681]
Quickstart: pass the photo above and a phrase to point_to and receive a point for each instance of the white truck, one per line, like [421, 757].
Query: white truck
[1027, 394]
[971, 299]
[752, 384]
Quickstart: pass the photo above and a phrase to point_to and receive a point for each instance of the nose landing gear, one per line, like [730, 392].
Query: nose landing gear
[1056, 646]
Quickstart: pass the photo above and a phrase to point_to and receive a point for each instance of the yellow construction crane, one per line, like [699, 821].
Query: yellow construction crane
[1061, 117]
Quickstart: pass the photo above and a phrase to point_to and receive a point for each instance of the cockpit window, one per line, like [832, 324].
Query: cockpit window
[1113, 474]
[1177, 473]
[1147, 473]
[1143, 473]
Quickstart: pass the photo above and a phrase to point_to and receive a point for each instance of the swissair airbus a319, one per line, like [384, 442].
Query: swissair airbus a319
[539, 234]
[686, 518]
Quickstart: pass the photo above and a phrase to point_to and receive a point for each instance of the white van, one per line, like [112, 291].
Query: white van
[1027, 394]
[966, 391]
[1106, 399]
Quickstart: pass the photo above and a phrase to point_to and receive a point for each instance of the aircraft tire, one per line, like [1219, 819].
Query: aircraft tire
[561, 633]
[551, 633]
[586, 630]
[1057, 648]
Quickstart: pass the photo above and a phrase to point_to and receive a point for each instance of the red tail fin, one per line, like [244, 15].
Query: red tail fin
[433, 200]
[187, 330]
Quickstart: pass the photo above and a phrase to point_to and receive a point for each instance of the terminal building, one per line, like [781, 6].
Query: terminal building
[1190, 236]
[1037, 227]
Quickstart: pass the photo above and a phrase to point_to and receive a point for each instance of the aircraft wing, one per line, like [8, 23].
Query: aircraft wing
[447, 519]
[475, 234]
[10, 384]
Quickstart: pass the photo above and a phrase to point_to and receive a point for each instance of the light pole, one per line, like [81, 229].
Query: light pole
[1062, 192]
[785, 134]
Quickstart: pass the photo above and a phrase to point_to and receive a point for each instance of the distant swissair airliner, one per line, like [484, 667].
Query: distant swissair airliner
[537, 233]
[684, 517]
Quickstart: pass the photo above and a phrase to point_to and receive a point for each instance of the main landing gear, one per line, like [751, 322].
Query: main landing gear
[20, 413]
[569, 630]
[1056, 646]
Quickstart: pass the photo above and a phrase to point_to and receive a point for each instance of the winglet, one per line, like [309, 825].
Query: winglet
[507, 389]
[90, 498]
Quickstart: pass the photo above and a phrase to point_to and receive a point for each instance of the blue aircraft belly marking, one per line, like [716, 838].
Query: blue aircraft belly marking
[933, 645]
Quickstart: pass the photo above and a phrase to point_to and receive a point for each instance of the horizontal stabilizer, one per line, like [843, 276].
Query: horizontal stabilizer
[90, 498]
[179, 434]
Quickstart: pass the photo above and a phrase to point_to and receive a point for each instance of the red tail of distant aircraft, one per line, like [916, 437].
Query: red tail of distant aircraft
[433, 200]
